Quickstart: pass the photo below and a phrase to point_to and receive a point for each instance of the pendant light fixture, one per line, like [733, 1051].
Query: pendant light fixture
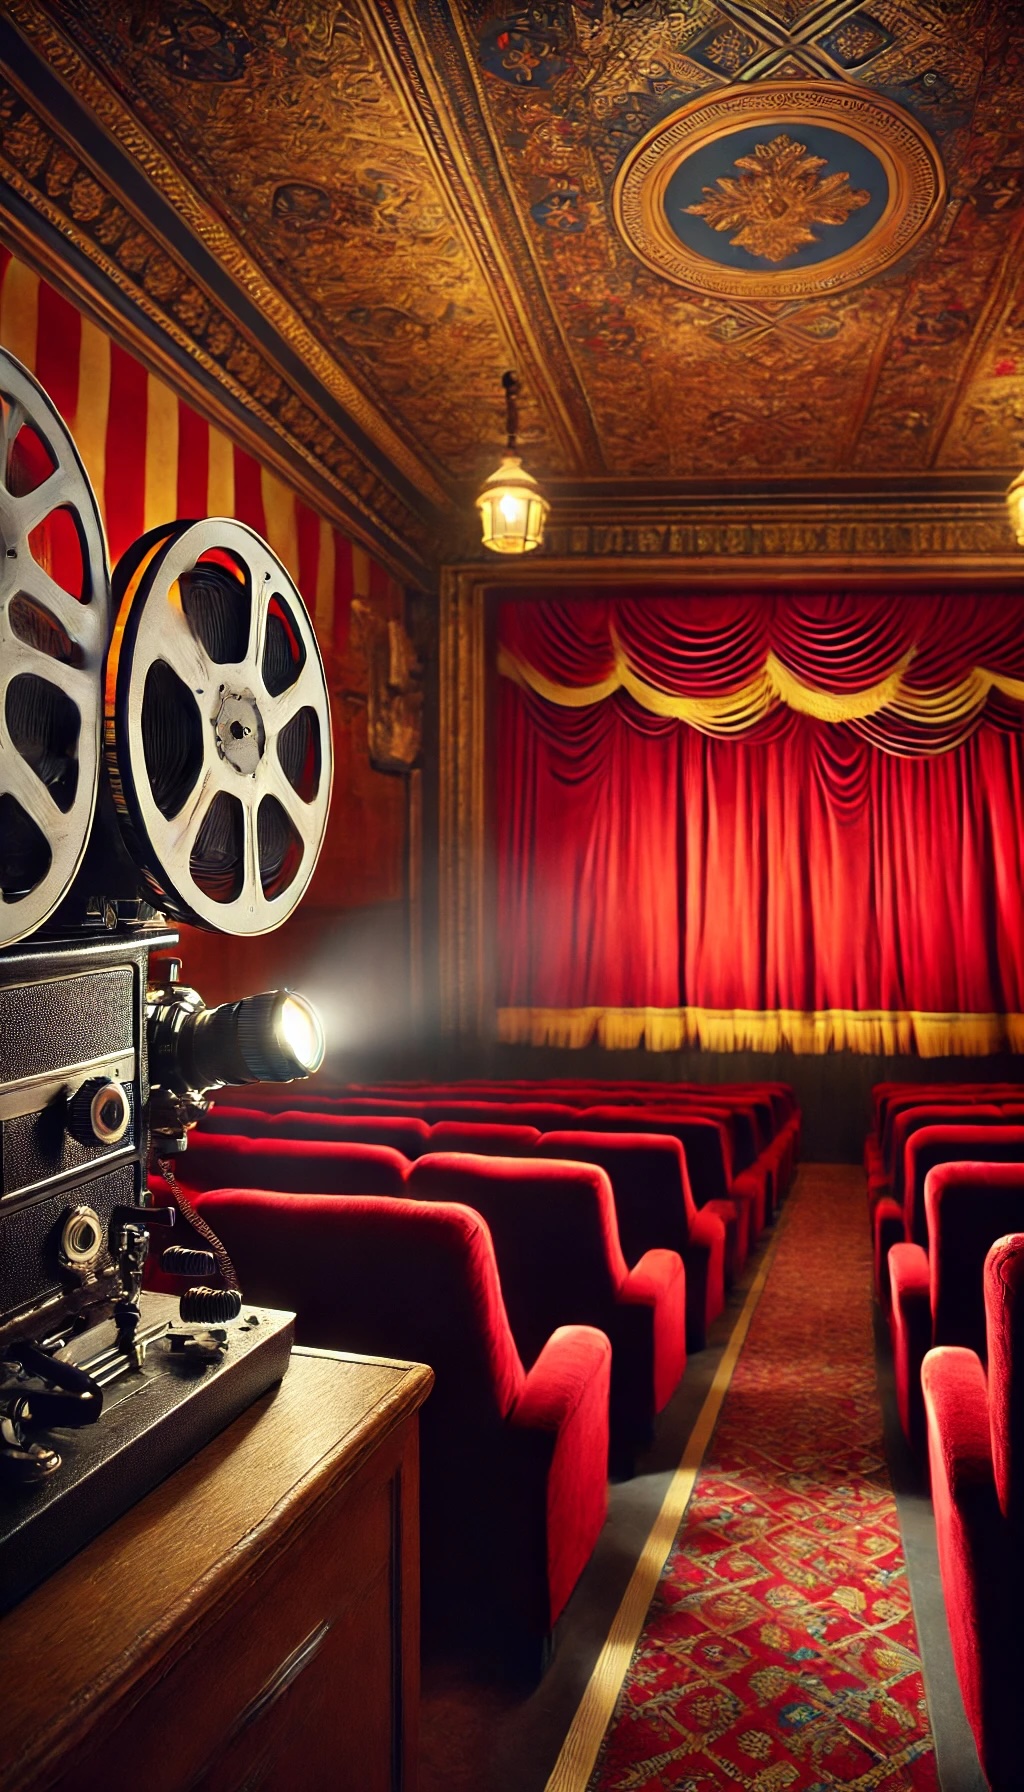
[513, 509]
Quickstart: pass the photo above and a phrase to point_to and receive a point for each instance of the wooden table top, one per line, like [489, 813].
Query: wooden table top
[110, 1614]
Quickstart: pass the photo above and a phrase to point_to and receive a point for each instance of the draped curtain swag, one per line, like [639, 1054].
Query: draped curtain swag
[765, 821]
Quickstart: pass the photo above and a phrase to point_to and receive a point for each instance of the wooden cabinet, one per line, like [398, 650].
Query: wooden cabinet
[253, 1623]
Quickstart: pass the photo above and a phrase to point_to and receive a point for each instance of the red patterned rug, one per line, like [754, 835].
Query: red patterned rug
[779, 1653]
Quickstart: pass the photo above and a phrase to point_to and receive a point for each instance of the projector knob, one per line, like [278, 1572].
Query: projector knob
[210, 1306]
[100, 1113]
[178, 1260]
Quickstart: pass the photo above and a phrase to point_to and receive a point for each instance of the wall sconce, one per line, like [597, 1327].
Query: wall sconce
[513, 509]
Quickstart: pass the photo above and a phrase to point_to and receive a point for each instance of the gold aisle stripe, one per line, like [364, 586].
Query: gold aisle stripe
[931, 1035]
[737, 710]
[578, 1753]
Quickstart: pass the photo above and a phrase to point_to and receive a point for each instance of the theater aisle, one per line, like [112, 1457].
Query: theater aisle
[780, 1649]
[779, 1653]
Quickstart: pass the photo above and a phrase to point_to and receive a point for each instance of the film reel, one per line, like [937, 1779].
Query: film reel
[217, 726]
[54, 625]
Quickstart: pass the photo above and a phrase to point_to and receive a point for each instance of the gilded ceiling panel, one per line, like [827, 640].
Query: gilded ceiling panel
[442, 186]
[287, 120]
[914, 366]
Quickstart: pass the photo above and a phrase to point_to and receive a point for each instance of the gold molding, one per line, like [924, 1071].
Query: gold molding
[119, 122]
[311, 449]
[462, 932]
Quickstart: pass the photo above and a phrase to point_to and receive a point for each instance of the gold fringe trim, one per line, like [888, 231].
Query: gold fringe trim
[785, 1029]
[738, 710]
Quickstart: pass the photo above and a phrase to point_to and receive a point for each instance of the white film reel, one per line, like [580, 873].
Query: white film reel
[54, 626]
[217, 726]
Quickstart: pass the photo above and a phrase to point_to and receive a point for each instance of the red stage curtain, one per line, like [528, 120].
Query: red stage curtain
[793, 884]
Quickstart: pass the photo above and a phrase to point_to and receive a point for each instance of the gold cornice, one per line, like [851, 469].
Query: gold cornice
[314, 458]
[83, 80]
[524, 333]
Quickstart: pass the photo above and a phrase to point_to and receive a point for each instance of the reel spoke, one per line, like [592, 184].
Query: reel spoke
[78, 620]
[28, 512]
[18, 780]
[185, 653]
[303, 694]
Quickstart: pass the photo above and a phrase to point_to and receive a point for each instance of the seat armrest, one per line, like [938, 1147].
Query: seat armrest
[908, 1272]
[648, 1279]
[910, 1327]
[956, 1402]
[561, 1377]
[887, 1230]
[750, 1186]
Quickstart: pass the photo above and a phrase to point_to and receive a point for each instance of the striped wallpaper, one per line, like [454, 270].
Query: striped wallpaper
[151, 458]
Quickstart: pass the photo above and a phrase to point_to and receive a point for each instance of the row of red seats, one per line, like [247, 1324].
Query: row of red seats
[741, 1142]
[556, 1241]
[548, 1262]
[974, 1399]
[912, 1135]
[651, 1187]
[946, 1183]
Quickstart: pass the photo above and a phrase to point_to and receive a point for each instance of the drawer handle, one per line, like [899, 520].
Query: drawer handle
[283, 1677]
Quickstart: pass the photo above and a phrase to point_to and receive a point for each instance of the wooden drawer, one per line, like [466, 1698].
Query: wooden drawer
[288, 1685]
[183, 1651]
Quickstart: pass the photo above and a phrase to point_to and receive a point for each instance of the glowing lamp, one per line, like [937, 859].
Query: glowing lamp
[1015, 505]
[513, 509]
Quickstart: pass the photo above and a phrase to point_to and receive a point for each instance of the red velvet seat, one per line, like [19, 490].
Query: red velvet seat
[306, 1166]
[514, 1464]
[937, 1295]
[655, 1211]
[483, 1138]
[990, 1135]
[403, 1133]
[976, 1451]
[709, 1166]
[559, 1258]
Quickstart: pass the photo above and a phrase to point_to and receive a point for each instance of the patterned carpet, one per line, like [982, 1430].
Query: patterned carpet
[780, 1653]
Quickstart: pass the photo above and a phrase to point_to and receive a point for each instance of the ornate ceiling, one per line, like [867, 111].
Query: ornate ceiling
[774, 246]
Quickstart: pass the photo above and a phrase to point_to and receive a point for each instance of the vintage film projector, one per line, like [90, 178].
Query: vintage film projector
[165, 752]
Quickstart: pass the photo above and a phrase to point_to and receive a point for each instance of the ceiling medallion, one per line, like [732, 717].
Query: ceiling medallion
[779, 190]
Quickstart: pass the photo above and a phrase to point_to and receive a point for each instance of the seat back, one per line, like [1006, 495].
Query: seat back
[968, 1206]
[992, 1139]
[389, 1277]
[706, 1144]
[403, 1133]
[309, 1166]
[482, 1138]
[1004, 1316]
[554, 1230]
[647, 1171]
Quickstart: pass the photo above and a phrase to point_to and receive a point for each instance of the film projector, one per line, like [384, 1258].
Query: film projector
[165, 754]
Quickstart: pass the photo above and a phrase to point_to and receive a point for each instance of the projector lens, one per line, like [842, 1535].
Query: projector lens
[301, 1034]
[272, 1038]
